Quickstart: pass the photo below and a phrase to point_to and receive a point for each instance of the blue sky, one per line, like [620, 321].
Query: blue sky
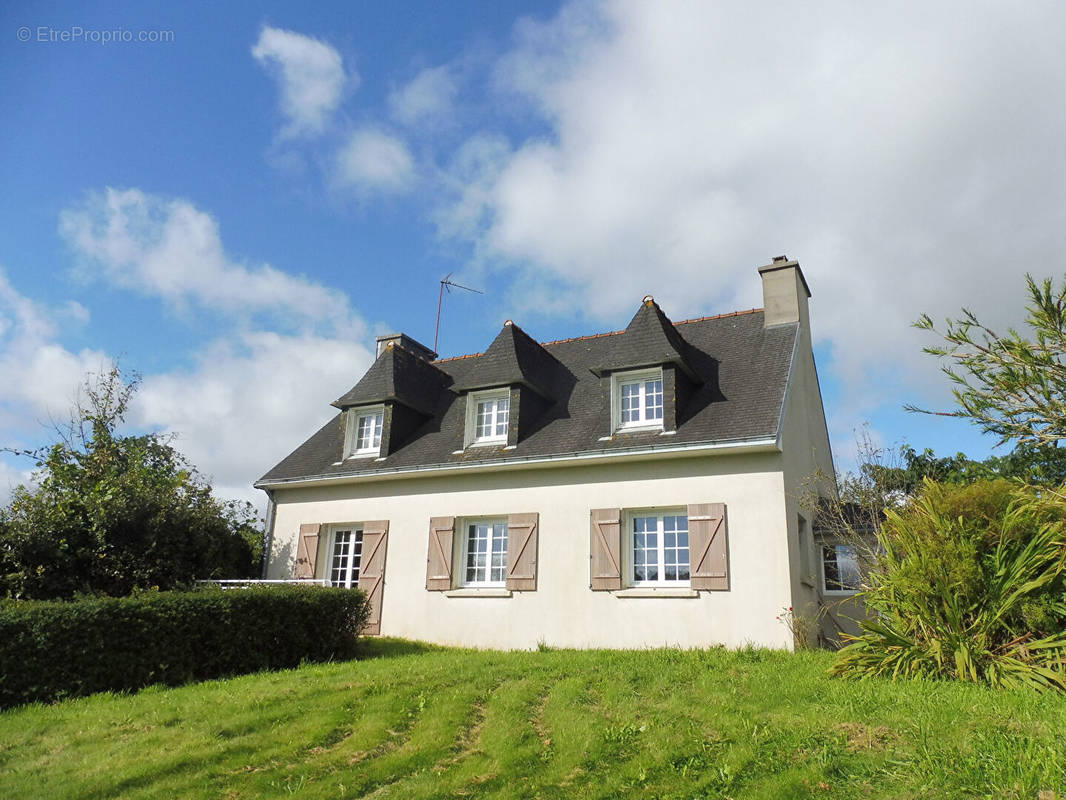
[235, 212]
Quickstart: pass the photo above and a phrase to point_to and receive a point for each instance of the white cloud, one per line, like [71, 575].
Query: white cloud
[428, 97]
[372, 160]
[310, 75]
[249, 401]
[39, 378]
[170, 249]
[912, 163]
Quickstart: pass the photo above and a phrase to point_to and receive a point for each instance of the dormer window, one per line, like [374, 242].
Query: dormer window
[487, 416]
[364, 431]
[638, 400]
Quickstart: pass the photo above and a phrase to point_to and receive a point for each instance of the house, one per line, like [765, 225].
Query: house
[627, 489]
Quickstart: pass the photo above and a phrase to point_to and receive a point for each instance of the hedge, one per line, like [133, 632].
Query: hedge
[55, 649]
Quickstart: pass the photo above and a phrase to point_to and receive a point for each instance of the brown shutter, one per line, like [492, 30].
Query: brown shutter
[708, 546]
[522, 552]
[439, 559]
[372, 570]
[605, 555]
[306, 552]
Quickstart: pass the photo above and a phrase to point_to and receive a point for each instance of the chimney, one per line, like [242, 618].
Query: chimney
[784, 293]
[407, 343]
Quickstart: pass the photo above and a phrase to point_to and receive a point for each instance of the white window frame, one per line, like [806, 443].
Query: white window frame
[350, 577]
[472, 401]
[821, 569]
[462, 553]
[351, 438]
[641, 377]
[628, 554]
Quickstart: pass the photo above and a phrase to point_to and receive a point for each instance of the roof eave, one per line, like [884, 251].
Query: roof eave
[764, 444]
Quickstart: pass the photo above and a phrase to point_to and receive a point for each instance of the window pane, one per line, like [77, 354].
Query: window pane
[503, 413]
[363, 433]
[630, 402]
[653, 399]
[484, 419]
[378, 418]
[345, 558]
[841, 568]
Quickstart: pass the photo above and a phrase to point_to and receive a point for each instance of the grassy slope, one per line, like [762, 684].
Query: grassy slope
[448, 723]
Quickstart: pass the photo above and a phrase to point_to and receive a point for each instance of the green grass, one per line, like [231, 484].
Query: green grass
[410, 721]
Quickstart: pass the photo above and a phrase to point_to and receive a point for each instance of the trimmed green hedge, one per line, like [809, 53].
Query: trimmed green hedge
[50, 650]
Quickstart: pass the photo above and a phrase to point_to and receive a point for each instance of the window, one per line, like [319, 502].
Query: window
[487, 416]
[484, 544]
[840, 568]
[638, 399]
[364, 432]
[658, 547]
[345, 556]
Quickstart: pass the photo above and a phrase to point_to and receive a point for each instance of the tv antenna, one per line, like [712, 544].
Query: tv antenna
[447, 283]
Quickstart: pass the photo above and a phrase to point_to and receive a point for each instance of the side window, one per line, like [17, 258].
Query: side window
[840, 568]
[806, 547]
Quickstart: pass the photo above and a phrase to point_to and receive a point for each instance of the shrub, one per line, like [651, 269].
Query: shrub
[971, 585]
[54, 649]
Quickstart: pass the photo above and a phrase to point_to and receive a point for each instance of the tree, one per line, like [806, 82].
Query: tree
[1010, 385]
[110, 513]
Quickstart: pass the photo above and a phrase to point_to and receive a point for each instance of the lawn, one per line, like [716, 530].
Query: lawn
[410, 721]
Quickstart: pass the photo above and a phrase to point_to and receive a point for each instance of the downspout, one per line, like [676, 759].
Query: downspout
[268, 541]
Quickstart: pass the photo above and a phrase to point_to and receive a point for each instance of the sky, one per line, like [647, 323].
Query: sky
[233, 200]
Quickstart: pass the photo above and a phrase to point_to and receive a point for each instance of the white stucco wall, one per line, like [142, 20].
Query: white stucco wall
[563, 611]
[808, 470]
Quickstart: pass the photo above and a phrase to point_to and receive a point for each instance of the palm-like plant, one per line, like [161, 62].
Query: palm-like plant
[969, 585]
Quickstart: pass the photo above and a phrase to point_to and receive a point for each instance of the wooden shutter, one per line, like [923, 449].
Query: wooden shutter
[522, 552]
[306, 552]
[439, 558]
[605, 554]
[708, 546]
[372, 570]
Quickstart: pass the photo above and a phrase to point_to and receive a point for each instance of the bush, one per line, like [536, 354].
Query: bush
[971, 585]
[53, 649]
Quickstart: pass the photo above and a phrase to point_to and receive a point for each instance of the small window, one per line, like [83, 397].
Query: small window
[484, 548]
[658, 549]
[364, 432]
[840, 568]
[488, 414]
[638, 400]
[346, 553]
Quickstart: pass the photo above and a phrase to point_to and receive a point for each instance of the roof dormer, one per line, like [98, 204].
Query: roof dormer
[401, 388]
[516, 381]
[647, 376]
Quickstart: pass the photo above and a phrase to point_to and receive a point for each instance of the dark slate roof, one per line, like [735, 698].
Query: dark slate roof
[649, 339]
[515, 357]
[398, 375]
[741, 368]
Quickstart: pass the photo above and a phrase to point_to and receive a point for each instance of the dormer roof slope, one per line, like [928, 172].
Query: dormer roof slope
[399, 376]
[650, 339]
[515, 358]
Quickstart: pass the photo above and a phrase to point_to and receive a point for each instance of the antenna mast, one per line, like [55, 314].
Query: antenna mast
[447, 283]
